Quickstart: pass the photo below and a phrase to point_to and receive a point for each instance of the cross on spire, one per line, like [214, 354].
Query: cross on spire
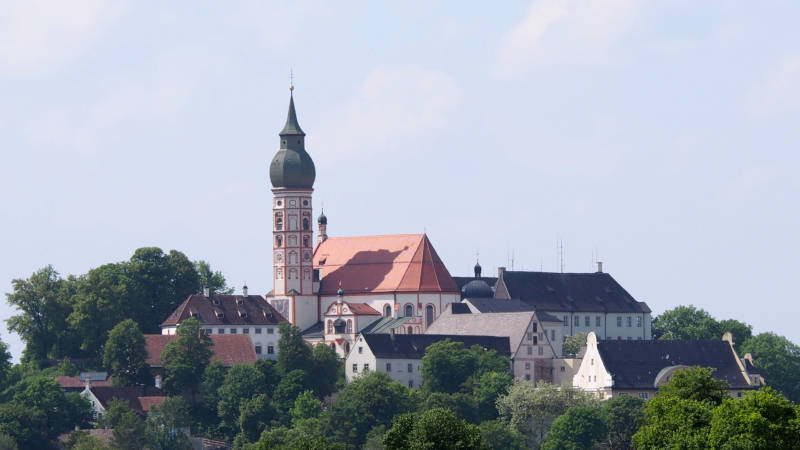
[291, 80]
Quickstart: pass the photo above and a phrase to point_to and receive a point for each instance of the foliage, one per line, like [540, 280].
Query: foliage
[293, 352]
[740, 331]
[696, 383]
[436, 428]
[686, 322]
[579, 428]
[255, 414]
[128, 428]
[165, 425]
[778, 361]
[242, 382]
[7, 442]
[573, 344]
[328, 370]
[531, 410]
[306, 406]
[271, 375]
[27, 426]
[61, 412]
[82, 440]
[5, 365]
[290, 386]
[761, 420]
[499, 436]
[213, 280]
[186, 358]
[370, 400]
[125, 355]
[448, 367]
[622, 416]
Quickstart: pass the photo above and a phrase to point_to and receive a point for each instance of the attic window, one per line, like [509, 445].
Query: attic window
[322, 261]
[195, 315]
[215, 301]
[239, 301]
[219, 314]
[242, 314]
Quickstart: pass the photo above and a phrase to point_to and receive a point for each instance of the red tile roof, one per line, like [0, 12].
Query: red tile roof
[225, 310]
[75, 382]
[362, 309]
[229, 349]
[140, 398]
[391, 263]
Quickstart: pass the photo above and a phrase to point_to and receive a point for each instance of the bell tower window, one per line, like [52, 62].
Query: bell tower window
[278, 241]
[306, 225]
[279, 223]
[306, 241]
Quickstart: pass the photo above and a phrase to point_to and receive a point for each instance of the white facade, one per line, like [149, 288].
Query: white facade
[627, 326]
[361, 359]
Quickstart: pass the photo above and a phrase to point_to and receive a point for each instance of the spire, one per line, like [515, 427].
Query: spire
[291, 127]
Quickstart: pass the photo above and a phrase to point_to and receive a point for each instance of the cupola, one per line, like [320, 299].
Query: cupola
[292, 166]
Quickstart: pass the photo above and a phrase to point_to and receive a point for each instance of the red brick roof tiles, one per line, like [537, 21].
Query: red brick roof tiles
[234, 309]
[229, 349]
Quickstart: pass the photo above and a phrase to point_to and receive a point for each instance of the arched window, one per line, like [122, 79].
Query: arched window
[347, 347]
[349, 328]
[330, 327]
[305, 224]
[409, 311]
[278, 241]
[279, 223]
[306, 241]
[410, 330]
[387, 311]
[428, 315]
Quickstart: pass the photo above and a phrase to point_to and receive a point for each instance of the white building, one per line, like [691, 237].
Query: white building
[400, 355]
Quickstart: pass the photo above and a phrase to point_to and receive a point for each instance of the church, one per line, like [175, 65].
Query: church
[338, 287]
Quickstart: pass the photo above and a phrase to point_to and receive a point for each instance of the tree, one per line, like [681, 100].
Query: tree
[761, 420]
[242, 382]
[167, 425]
[186, 358]
[306, 406]
[573, 344]
[579, 428]
[5, 365]
[686, 322]
[61, 412]
[696, 383]
[488, 388]
[213, 280]
[27, 426]
[436, 428]
[499, 436]
[531, 410]
[128, 430]
[370, 400]
[290, 386]
[622, 415]
[255, 414]
[740, 331]
[7, 442]
[327, 368]
[82, 440]
[125, 355]
[446, 365]
[778, 361]
[293, 352]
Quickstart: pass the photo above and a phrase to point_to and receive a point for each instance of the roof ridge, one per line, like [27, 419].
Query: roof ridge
[431, 252]
[410, 262]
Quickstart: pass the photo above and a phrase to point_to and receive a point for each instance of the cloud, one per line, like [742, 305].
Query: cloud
[36, 36]
[563, 32]
[277, 23]
[779, 91]
[391, 103]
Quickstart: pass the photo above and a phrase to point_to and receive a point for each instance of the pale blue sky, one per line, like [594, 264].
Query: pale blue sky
[661, 136]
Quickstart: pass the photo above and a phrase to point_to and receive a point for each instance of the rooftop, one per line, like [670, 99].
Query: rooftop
[225, 310]
[412, 346]
[229, 349]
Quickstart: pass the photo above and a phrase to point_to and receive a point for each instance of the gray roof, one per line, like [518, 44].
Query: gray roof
[314, 331]
[292, 166]
[385, 324]
[571, 292]
[513, 325]
[292, 127]
[412, 346]
[496, 305]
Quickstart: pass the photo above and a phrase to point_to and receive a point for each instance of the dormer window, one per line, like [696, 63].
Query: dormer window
[242, 314]
[220, 314]
[239, 301]
[215, 301]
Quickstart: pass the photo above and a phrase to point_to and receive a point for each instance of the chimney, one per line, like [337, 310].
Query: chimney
[599, 266]
[88, 383]
[396, 314]
[500, 272]
[244, 290]
[206, 291]
[158, 381]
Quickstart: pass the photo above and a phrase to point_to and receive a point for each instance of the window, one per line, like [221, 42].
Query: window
[387, 311]
[270, 330]
[587, 321]
[221, 331]
[410, 330]
[305, 223]
[410, 368]
[566, 321]
[563, 369]
[535, 327]
[355, 368]
[347, 347]
[366, 367]
[333, 346]
[330, 327]
[279, 223]
[643, 395]
[233, 330]
[541, 351]
[258, 349]
[258, 330]
[527, 366]
[208, 330]
[598, 321]
[528, 376]
[245, 330]
[270, 350]
[429, 315]
[638, 321]
[360, 349]
[530, 350]
[278, 241]
[552, 335]
[739, 394]
[411, 383]
[306, 241]
[592, 362]
[535, 340]
[349, 328]
[619, 321]
[576, 320]
[629, 321]
[409, 311]
[388, 367]
[530, 336]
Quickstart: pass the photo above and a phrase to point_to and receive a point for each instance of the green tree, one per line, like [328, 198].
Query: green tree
[579, 428]
[255, 414]
[696, 383]
[290, 386]
[82, 440]
[185, 359]
[761, 420]
[242, 382]
[7, 442]
[531, 410]
[573, 344]
[128, 431]
[61, 412]
[370, 400]
[27, 426]
[446, 365]
[327, 368]
[306, 406]
[499, 436]
[293, 352]
[433, 429]
[488, 388]
[686, 322]
[740, 331]
[778, 361]
[271, 375]
[167, 425]
[622, 415]
[213, 280]
[125, 355]
[5, 365]
[461, 404]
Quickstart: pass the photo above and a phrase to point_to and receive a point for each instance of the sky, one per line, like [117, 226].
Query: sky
[658, 137]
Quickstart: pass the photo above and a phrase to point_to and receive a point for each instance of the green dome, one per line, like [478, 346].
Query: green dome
[292, 166]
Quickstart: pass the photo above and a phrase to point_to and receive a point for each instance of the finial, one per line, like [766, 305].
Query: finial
[291, 80]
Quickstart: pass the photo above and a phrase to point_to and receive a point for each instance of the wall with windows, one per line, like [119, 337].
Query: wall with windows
[264, 337]
[630, 326]
[403, 370]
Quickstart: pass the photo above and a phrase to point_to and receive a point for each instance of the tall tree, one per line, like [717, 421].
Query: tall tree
[580, 428]
[5, 365]
[778, 361]
[740, 331]
[436, 428]
[293, 352]
[573, 344]
[622, 415]
[446, 365]
[761, 420]
[327, 368]
[686, 322]
[167, 425]
[185, 359]
[125, 355]
[242, 382]
[211, 279]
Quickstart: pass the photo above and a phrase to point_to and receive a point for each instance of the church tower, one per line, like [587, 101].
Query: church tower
[292, 175]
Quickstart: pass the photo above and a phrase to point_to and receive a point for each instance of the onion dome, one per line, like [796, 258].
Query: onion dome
[322, 219]
[292, 166]
[477, 289]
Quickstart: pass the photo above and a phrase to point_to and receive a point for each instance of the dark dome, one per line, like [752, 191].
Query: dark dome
[477, 289]
[292, 168]
[322, 220]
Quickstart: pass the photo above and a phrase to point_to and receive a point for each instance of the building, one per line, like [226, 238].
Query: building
[227, 349]
[585, 302]
[139, 398]
[78, 384]
[335, 288]
[629, 367]
[535, 338]
[249, 315]
[400, 355]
